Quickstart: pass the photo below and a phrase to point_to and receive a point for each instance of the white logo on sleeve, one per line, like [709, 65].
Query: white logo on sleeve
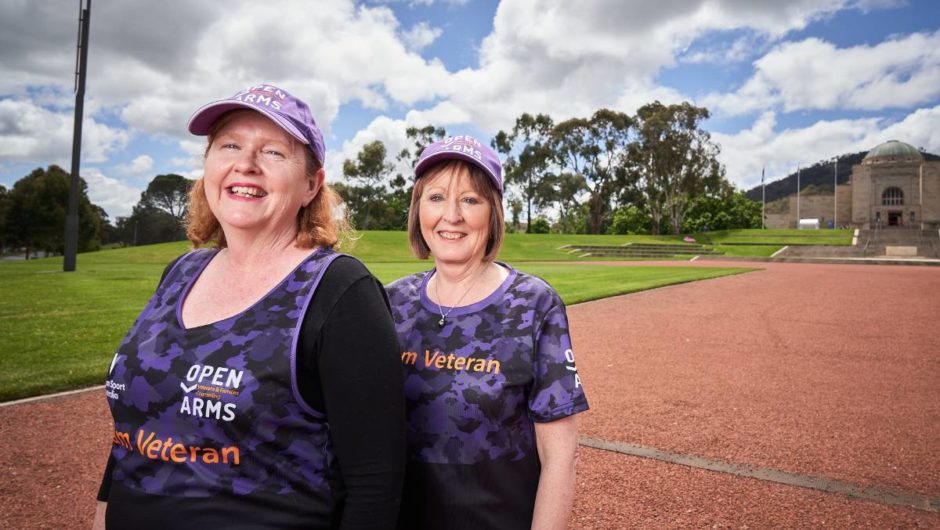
[569, 357]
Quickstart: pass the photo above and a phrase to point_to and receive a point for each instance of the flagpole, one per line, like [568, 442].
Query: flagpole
[835, 196]
[798, 196]
[763, 197]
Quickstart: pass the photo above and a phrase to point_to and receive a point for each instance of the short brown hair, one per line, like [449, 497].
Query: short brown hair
[320, 223]
[481, 184]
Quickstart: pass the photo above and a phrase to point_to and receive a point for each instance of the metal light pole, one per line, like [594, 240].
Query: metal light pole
[71, 219]
[835, 196]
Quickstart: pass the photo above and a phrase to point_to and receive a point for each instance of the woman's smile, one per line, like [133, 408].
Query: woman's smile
[245, 192]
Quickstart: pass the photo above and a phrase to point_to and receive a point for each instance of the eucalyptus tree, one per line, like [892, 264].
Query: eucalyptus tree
[367, 191]
[673, 160]
[36, 208]
[565, 192]
[160, 213]
[420, 137]
[596, 149]
[4, 206]
[169, 194]
[528, 154]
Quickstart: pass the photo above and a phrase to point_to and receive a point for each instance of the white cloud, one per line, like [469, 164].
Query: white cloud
[154, 75]
[115, 196]
[137, 167]
[554, 56]
[29, 132]
[814, 74]
[426, 3]
[570, 58]
[918, 129]
[780, 151]
[420, 36]
[739, 50]
[441, 115]
[389, 131]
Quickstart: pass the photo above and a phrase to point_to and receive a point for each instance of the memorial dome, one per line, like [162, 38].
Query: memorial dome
[893, 151]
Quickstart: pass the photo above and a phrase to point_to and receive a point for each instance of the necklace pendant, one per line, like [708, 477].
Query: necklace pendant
[441, 322]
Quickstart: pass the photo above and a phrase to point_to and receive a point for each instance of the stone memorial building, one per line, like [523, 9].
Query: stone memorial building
[893, 187]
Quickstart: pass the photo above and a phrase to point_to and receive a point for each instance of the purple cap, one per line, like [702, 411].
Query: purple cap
[290, 113]
[466, 148]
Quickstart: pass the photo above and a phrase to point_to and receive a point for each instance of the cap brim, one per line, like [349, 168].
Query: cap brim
[441, 156]
[201, 121]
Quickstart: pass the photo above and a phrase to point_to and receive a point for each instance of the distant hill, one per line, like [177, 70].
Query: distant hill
[818, 177]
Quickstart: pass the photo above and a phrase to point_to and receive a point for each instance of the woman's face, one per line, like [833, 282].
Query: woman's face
[454, 218]
[255, 175]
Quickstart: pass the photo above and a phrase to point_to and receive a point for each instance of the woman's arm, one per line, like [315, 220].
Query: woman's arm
[362, 384]
[100, 509]
[557, 443]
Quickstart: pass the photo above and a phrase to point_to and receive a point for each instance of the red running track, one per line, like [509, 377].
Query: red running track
[825, 370]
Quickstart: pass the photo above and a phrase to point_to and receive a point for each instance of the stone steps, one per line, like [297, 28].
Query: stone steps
[888, 242]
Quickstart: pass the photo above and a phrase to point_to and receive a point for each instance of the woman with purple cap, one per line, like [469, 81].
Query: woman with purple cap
[490, 381]
[260, 387]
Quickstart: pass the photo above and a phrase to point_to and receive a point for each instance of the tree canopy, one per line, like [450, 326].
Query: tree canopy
[673, 161]
[36, 208]
[374, 199]
[168, 194]
[4, 206]
[528, 152]
[159, 215]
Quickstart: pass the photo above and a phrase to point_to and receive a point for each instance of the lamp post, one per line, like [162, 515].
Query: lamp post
[71, 218]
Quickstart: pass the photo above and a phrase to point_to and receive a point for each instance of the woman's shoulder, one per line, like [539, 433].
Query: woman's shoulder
[406, 287]
[197, 254]
[344, 266]
[535, 288]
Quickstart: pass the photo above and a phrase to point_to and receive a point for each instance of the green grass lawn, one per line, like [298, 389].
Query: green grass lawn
[58, 331]
[377, 247]
[763, 243]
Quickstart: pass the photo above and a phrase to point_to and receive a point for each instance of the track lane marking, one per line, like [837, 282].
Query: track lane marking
[870, 493]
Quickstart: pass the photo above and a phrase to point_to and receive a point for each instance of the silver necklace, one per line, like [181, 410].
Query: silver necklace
[440, 308]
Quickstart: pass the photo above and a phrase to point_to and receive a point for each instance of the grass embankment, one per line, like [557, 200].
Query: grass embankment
[763, 243]
[59, 331]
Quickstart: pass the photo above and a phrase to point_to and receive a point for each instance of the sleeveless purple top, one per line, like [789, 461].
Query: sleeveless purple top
[214, 410]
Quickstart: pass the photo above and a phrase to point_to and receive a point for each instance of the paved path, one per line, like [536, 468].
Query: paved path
[830, 372]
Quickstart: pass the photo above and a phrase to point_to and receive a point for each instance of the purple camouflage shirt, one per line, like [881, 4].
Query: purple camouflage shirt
[213, 411]
[475, 388]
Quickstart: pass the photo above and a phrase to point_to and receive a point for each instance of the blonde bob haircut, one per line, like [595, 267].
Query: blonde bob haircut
[320, 223]
[481, 184]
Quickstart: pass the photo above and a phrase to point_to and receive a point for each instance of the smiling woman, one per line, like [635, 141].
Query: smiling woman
[255, 349]
[490, 379]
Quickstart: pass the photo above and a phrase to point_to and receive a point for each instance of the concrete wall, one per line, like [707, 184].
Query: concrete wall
[861, 195]
[930, 214]
[777, 220]
[815, 206]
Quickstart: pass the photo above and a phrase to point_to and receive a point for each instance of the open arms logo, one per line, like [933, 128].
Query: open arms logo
[207, 388]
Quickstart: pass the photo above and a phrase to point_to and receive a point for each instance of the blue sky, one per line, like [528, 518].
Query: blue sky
[788, 82]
